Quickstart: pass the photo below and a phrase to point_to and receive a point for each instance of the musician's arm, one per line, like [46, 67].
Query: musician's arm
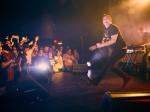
[142, 44]
[110, 42]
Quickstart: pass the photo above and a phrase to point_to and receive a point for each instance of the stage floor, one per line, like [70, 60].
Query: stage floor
[73, 92]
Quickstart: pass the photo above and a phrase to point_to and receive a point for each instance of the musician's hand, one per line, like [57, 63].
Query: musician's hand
[99, 45]
[92, 48]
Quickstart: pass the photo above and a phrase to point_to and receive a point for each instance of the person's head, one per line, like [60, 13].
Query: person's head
[50, 55]
[14, 49]
[9, 44]
[61, 48]
[53, 47]
[40, 52]
[107, 20]
[6, 47]
[46, 48]
[75, 51]
[141, 30]
[26, 48]
[58, 53]
[69, 51]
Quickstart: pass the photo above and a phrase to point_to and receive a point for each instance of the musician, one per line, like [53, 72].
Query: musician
[146, 42]
[116, 42]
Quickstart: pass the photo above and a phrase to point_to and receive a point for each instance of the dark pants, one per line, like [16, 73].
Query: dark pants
[115, 56]
[144, 58]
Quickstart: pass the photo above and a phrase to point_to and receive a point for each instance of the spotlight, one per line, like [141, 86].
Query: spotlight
[42, 66]
[88, 64]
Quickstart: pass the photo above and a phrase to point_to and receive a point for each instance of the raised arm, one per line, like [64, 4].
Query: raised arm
[35, 42]
[24, 39]
[15, 37]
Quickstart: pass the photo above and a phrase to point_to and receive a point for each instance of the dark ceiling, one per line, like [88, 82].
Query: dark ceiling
[70, 19]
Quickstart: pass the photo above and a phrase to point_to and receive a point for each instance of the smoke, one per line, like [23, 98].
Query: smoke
[129, 15]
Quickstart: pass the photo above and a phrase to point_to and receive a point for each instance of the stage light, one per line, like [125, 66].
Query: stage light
[138, 3]
[145, 1]
[42, 66]
[59, 43]
[55, 41]
[89, 74]
[88, 64]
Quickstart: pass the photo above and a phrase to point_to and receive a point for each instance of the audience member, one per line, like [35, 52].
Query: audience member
[61, 51]
[59, 61]
[45, 52]
[68, 59]
[29, 51]
[16, 58]
[76, 56]
[4, 64]
[39, 58]
[50, 61]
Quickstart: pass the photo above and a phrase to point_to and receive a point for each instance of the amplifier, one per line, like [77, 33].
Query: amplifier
[80, 68]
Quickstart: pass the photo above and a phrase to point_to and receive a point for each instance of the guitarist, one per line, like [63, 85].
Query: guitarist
[118, 46]
[146, 42]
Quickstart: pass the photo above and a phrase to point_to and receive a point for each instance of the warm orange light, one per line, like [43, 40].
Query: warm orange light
[59, 43]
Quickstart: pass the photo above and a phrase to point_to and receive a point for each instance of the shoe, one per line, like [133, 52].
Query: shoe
[94, 82]
[126, 80]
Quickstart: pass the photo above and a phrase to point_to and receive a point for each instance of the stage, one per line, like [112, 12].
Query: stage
[72, 92]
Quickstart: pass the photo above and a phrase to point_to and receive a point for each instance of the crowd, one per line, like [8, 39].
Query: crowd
[19, 58]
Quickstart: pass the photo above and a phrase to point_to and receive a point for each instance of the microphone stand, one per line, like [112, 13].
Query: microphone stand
[81, 49]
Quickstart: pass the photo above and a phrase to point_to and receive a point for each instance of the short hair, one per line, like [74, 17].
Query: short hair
[68, 49]
[141, 29]
[108, 16]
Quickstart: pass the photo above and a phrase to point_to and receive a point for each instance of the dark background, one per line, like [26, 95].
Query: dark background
[77, 23]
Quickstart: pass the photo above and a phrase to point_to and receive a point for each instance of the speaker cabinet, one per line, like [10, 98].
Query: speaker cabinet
[80, 68]
[27, 90]
[30, 90]
[125, 102]
[41, 76]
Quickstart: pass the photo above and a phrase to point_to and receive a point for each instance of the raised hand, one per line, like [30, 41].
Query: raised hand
[31, 43]
[15, 36]
[25, 39]
[7, 38]
[36, 38]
